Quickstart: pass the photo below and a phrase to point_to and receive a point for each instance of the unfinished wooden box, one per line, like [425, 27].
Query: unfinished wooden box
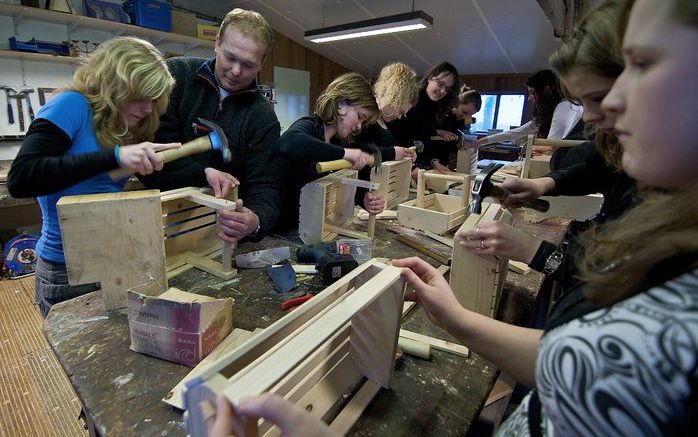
[316, 354]
[437, 213]
[327, 207]
[477, 280]
[126, 239]
[394, 181]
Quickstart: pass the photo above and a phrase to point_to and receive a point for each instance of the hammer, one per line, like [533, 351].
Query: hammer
[483, 187]
[215, 140]
[20, 109]
[10, 115]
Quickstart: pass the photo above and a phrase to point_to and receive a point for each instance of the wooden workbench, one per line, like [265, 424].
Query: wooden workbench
[121, 390]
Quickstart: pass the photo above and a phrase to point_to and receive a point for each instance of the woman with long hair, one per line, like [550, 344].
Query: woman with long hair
[437, 94]
[341, 111]
[553, 116]
[103, 121]
[588, 63]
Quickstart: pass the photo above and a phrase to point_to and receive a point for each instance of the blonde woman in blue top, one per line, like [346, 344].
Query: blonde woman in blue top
[103, 121]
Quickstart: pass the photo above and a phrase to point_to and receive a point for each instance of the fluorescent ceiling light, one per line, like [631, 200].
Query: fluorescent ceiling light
[414, 20]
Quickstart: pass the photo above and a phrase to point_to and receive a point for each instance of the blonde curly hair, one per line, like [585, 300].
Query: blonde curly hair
[120, 71]
[397, 86]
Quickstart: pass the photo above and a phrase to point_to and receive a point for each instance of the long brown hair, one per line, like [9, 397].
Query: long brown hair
[547, 88]
[664, 224]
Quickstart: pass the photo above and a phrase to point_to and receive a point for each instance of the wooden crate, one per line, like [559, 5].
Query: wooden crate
[123, 240]
[316, 354]
[437, 213]
[394, 181]
[477, 280]
[327, 207]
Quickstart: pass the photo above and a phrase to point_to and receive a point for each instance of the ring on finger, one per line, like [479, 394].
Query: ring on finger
[482, 244]
[477, 232]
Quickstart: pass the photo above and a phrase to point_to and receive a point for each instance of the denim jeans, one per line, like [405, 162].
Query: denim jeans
[52, 286]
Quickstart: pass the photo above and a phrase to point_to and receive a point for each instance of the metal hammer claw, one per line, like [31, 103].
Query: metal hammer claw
[483, 187]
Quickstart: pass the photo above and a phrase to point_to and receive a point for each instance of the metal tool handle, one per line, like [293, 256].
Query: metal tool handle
[339, 164]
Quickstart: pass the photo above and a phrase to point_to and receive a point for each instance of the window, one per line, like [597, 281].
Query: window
[499, 111]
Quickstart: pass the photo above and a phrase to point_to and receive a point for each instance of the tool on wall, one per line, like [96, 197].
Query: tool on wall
[483, 187]
[10, 116]
[20, 109]
[26, 93]
[43, 92]
[215, 140]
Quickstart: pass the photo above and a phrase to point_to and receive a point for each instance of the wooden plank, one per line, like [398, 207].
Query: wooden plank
[436, 343]
[415, 348]
[210, 266]
[254, 380]
[422, 243]
[475, 284]
[344, 231]
[518, 267]
[229, 343]
[440, 238]
[115, 239]
[272, 338]
[353, 410]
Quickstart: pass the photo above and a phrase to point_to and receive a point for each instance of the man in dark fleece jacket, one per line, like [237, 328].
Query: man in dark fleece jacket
[224, 91]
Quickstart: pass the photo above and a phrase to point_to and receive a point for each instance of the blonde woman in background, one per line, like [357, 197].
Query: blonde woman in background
[103, 121]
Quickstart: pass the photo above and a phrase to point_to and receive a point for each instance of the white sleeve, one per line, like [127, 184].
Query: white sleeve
[512, 134]
[565, 117]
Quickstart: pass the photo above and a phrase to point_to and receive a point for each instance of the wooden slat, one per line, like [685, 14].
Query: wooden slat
[115, 239]
[36, 397]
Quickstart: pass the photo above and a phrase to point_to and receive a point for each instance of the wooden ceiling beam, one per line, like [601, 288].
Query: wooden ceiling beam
[563, 14]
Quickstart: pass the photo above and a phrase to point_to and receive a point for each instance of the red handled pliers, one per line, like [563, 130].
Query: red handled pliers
[294, 302]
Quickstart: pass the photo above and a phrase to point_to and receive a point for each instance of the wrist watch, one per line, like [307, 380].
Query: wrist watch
[256, 231]
[554, 260]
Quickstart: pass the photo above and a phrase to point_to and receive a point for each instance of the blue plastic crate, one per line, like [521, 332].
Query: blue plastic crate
[150, 13]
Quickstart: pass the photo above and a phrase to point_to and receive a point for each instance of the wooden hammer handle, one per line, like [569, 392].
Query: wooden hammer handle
[556, 142]
[339, 164]
[197, 145]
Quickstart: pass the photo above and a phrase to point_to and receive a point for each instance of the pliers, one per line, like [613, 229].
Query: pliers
[296, 301]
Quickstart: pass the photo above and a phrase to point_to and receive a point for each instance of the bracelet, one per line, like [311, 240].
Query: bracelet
[116, 155]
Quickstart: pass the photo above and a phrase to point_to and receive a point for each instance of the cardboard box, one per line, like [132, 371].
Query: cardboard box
[183, 23]
[204, 31]
[176, 325]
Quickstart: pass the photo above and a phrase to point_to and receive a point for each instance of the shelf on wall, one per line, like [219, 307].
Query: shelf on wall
[39, 57]
[78, 21]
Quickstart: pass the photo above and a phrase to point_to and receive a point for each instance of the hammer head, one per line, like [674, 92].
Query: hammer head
[482, 186]
[377, 157]
[218, 139]
[418, 146]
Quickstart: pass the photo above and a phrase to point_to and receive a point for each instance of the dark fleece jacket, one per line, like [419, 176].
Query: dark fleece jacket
[249, 123]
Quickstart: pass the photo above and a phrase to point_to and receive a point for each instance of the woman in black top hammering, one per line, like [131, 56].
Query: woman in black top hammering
[342, 110]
